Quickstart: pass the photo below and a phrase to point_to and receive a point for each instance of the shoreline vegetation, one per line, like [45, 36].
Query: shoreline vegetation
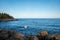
[13, 35]
[6, 17]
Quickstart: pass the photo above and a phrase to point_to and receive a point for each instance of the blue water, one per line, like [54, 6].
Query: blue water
[34, 25]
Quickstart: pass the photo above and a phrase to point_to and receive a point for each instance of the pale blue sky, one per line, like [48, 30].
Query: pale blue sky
[31, 8]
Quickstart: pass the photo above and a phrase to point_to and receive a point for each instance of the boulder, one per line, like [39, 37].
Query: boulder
[43, 33]
[10, 35]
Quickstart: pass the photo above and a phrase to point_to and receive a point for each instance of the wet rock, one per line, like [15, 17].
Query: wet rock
[44, 33]
[30, 37]
[35, 38]
[10, 35]
[45, 36]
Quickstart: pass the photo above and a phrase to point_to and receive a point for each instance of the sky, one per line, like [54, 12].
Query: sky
[31, 8]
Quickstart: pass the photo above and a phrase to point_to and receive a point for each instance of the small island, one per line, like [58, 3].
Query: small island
[6, 17]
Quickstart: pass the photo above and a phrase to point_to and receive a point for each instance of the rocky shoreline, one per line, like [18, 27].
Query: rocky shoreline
[10, 35]
[4, 20]
[13, 35]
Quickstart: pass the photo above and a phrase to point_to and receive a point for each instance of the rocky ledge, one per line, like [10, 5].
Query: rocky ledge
[13, 35]
[10, 35]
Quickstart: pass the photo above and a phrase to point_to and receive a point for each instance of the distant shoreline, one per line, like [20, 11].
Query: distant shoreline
[7, 20]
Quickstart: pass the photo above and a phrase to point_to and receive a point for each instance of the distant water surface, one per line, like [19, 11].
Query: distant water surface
[33, 25]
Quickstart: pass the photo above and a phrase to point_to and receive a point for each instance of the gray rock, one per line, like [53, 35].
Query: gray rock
[10, 35]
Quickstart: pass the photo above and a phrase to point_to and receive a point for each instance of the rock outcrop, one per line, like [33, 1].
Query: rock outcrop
[43, 33]
[45, 36]
[10, 35]
[13, 35]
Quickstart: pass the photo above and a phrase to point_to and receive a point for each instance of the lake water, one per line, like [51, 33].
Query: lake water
[33, 25]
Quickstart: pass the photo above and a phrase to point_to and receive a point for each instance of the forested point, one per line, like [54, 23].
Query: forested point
[5, 16]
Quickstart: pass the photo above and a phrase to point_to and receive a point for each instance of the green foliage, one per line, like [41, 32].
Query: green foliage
[5, 16]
